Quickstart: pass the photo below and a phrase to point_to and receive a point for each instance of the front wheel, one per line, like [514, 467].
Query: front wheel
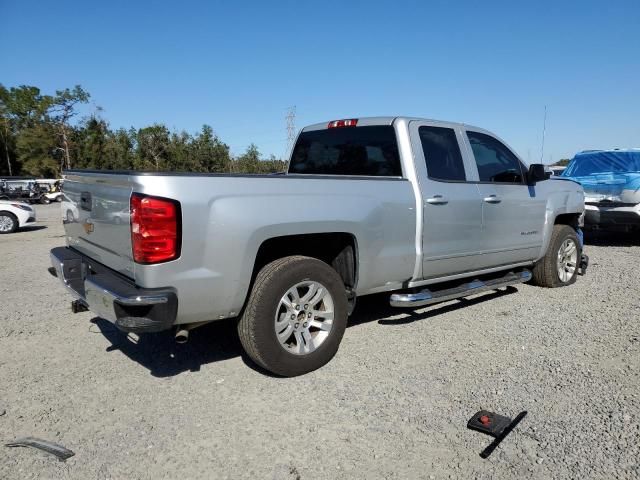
[44, 200]
[8, 222]
[295, 317]
[559, 267]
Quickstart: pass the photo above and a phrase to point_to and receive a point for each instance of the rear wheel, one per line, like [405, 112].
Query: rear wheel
[295, 317]
[45, 200]
[70, 216]
[559, 266]
[8, 222]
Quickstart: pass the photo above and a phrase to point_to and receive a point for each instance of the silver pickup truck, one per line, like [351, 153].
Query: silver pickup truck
[427, 210]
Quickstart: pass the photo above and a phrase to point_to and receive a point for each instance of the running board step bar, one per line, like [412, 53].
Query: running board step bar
[427, 297]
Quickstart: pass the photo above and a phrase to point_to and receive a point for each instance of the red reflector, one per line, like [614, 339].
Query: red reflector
[352, 122]
[154, 229]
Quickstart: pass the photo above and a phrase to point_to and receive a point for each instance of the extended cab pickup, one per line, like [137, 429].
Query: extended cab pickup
[425, 209]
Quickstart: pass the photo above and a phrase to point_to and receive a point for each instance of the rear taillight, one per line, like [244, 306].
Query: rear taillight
[352, 122]
[155, 229]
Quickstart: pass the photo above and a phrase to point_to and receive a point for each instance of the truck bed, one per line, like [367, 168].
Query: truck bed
[226, 218]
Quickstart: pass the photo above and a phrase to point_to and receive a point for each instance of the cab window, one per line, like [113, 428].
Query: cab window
[496, 163]
[442, 154]
[370, 151]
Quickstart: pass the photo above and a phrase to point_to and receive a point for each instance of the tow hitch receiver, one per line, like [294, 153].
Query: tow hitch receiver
[498, 426]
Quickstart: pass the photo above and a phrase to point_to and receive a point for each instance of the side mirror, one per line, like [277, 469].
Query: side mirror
[536, 173]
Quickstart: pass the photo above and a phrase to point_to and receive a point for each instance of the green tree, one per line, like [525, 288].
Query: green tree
[61, 111]
[36, 148]
[22, 110]
[208, 153]
[248, 162]
[38, 136]
[91, 144]
[7, 140]
[153, 148]
[178, 153]
[120, 150]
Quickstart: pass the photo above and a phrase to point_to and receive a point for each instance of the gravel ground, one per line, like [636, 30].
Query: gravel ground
[392, 404]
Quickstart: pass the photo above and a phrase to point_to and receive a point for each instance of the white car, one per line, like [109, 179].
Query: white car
[14, 215]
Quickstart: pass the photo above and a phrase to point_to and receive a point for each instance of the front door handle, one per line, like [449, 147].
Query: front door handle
[437, 200]
[492, 199]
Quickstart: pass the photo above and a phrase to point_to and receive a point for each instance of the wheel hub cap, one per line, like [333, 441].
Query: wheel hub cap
[6, 224]
[567, 260]
[304, 317]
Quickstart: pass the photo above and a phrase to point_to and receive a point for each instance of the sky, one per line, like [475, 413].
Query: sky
[239, 65]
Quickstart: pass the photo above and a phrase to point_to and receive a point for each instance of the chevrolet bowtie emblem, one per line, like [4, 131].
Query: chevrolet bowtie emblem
[88, 226]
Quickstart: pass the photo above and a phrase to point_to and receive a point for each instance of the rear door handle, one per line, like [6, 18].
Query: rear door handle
[437, 200]
[492, 199]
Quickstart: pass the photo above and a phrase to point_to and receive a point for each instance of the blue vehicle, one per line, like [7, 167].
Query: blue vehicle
[611, 182]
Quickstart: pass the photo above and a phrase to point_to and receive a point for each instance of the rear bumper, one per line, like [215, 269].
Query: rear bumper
[626, 218]
[111, 296]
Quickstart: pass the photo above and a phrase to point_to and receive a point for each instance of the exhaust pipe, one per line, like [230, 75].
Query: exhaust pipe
[182, 335]
[182, 331]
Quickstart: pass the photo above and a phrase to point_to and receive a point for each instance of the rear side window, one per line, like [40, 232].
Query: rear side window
[442, 154]
[496, 163]
[369, 151]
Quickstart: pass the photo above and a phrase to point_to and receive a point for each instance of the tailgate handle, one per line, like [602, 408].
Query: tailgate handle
[85, 201]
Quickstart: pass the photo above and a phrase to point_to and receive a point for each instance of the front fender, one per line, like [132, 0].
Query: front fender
[559, 203]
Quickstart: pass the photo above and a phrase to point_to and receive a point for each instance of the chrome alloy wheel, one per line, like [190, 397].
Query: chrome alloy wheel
[6, 223]
[304, 317]
[567, 260]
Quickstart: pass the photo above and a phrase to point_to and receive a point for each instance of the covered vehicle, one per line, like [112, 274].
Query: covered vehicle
[611, 182]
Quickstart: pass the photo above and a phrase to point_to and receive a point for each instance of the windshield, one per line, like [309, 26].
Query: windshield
[603, 162]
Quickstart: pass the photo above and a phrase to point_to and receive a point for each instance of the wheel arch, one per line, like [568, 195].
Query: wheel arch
[571, 219]
[337, 249]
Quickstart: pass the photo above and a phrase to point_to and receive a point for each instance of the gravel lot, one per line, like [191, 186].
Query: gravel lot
[392, 404]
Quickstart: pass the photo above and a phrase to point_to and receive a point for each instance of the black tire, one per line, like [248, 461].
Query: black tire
[44, 200]
[256, 327]
[545, 271]
[12, 221]
[70, 217]
[59, 199]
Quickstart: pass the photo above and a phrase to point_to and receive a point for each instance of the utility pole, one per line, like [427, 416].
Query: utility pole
[291, 130]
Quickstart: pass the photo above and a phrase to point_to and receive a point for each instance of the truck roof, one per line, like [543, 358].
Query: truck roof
[388, 120]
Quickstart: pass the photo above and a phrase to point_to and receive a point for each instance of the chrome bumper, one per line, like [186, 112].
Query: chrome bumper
[111, 296]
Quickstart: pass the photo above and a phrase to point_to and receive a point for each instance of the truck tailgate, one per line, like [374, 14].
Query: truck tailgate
[95, 210]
